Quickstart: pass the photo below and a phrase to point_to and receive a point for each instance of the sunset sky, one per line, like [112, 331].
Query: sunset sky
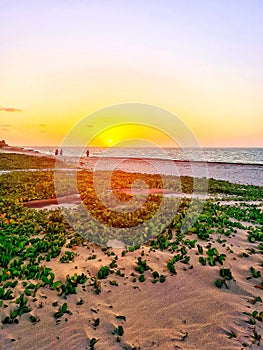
[201, 60]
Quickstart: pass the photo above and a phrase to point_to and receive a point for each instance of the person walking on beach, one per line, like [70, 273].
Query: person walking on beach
[87, 153]
[56, 152]
[61, 152]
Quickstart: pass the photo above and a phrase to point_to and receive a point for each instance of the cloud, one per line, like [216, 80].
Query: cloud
[10, 109]
[5, 127]
[43, 125]
[90, 126]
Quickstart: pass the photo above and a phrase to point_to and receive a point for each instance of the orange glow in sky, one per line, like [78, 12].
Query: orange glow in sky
[132, 135]
[200, 60]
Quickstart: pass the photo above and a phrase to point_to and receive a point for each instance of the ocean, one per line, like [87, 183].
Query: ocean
[238, 165]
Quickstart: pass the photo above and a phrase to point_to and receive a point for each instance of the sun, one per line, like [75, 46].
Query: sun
[131, 134]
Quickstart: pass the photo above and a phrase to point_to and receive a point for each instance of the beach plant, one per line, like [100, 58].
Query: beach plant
[183, 250]
[71, 284]
[219, 283]
[96, 284]
[62, 310]
[103, 272]
[170, 266]
[185, 259]
[255, 300]
[47, 277]
[157, 277]
[232, 334]
[96, 322]
[120, 317]
[67, 257]
[92, 257]
[189, 243]
[133, 248]
[119, 331]
[202, 260]
[92, 342]
[142, 266]
[226, 275]
[6, 294]
[114, 283]
[119, 273]
[254, 273]
[34, 319]
[162, 278]
[21, 309]
[257, 315]
[255, 235]
[251, 320]
[123, 253]
[141, 278]
[214, 256]
[155, 274]
[160, 242]
[256, 337]
[113, 264]
[203, 233]
[76, 240]
[200, 249]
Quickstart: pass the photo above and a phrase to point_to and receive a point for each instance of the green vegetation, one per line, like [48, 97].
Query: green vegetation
[92, 342]
[120, 317]
[254, 273]
[67, 257]
[226, 275]
[142, 266]
[103, 272]
[13, 161]
[62, 310]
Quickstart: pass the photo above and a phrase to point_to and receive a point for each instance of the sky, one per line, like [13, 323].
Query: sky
[200, 60]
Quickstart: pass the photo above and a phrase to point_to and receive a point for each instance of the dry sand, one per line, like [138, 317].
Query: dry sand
[187, 311]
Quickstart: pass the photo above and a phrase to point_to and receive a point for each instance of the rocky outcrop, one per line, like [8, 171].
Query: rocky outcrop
[3, 144]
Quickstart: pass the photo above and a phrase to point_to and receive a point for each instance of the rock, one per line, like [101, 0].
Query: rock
[3, 144]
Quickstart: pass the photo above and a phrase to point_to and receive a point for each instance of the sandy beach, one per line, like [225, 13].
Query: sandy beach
[201, 289]
[131, 175]
[185, 312]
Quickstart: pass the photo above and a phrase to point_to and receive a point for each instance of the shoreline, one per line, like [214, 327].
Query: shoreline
[234, 173]
[22, 150]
